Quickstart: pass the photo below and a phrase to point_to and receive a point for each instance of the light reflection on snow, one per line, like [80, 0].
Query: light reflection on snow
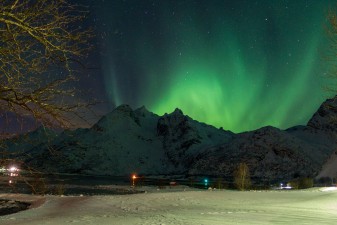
[329, 189]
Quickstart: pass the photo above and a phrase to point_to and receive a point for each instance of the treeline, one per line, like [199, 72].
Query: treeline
[242, 180]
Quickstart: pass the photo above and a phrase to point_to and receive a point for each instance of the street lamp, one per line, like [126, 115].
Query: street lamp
[134, 177]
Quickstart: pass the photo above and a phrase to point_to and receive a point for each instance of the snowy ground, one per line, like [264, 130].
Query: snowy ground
[183, 206]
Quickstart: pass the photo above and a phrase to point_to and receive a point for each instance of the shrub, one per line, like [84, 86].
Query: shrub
[306, 182]
[302, 183]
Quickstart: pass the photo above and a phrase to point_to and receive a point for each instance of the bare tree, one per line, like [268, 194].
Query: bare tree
[242, 177]
[331, 53]
[42, 43]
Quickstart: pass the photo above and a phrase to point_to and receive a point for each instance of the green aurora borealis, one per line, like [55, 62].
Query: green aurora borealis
[239, 65]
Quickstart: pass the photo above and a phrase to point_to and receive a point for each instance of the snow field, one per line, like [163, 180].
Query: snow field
[197, 207]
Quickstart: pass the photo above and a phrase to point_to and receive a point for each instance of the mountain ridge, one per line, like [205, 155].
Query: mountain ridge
[138, 141]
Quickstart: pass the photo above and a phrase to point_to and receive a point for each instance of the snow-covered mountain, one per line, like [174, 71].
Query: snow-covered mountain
[326, 119]
[271, 154]
[274, 154]
[127, 141]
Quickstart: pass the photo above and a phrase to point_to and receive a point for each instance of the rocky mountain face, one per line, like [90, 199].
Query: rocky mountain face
[326, 119]
[183, 138]
[273, 154]
[270, 153]
[326, 116]
[127, 141]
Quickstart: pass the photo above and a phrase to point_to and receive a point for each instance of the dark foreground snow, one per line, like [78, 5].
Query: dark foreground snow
[11, 206]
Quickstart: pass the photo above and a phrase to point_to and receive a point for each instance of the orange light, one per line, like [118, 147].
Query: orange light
[133, 179]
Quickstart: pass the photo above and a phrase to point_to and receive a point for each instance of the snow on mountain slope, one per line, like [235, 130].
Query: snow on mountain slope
[127, 141]
[322, 142]
[184, 138]
[329, 169]
[325, 120]
[116, 145]
[30, 145]
[271, 154]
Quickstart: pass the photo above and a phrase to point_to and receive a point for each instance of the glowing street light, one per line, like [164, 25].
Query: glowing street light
[134, 177]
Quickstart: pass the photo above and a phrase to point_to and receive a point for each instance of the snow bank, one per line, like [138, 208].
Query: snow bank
[329, 189]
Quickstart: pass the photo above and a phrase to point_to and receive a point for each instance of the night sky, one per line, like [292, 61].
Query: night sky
[235, 64]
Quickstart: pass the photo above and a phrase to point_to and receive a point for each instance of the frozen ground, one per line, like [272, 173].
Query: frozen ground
[183, 206]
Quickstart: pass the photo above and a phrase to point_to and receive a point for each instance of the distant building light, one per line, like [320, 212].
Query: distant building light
[206, 182]
[13, 169]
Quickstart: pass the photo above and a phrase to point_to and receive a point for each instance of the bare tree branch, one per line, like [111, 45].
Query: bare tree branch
[41, 44]
[331, 56]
